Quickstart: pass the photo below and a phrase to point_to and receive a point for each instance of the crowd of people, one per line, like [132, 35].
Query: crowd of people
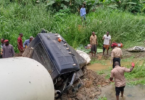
[7, 50]
[116, 54]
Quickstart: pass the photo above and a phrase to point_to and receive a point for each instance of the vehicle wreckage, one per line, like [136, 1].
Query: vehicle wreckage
[63, 63]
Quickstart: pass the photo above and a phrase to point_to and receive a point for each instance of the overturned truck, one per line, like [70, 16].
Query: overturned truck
[63, 63]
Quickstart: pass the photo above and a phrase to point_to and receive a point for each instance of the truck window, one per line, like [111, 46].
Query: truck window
[41, 56]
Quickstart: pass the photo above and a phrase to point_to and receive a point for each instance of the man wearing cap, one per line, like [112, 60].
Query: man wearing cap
[116, 54]
[20, 44]
[27, 42]
[118, 74]
[94, 43]
[107, 42]
[8, 50]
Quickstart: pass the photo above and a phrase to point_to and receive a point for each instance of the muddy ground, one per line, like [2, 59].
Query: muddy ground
[104, 62]
[92, 83]
[87, 88]
[131, 92]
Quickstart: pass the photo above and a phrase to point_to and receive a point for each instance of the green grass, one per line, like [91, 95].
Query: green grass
[133, 78]
[128, 59]
[29, 19]
[102, 98]
[130, 44]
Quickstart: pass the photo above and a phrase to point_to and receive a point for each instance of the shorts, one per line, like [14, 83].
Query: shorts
[118, 90]
[105, 47]
[84, 17]
[93, 48]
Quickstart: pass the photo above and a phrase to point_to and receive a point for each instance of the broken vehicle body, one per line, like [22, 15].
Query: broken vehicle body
[62, 62]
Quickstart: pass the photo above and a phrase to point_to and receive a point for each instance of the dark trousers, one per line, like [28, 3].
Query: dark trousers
[116, 59]
[119, 89]
[1, 56]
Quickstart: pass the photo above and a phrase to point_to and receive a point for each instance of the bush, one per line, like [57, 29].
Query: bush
[30, 19]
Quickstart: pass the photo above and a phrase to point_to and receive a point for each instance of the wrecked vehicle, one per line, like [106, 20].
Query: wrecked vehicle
[63, 63]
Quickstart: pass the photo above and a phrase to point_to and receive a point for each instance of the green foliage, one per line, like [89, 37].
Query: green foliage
[133, 6]
[135, 77]
[73, 5]
[29, 19]
[102, 98]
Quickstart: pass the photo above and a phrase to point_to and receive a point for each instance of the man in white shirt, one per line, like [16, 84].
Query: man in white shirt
[107, 42]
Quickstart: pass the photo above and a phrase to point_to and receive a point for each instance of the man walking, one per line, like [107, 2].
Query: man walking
[8, 50]
[116, 54]
[118, 74]
[106, 43]
[27, 42]
[83, 13]
[20, 44]
[94, 43]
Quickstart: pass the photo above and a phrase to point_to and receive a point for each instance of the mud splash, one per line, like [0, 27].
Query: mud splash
[130, 92]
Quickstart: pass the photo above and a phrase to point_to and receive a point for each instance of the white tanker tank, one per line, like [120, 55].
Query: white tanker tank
[24, 79]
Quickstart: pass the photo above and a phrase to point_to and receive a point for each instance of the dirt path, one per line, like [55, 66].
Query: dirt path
[98, 67]
[131, 92]
[104, 62]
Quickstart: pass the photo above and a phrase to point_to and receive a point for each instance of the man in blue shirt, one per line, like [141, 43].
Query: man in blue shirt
[83, 12]
[26, 43]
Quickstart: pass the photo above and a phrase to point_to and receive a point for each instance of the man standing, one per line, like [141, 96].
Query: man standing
[94, 43]
[107, 42]
[8, 50]
[116, 54]
[118, 74]
[20, 43]
[83, 13]
[27, 42]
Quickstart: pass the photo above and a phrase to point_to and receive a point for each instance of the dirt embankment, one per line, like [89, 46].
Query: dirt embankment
[87, 88]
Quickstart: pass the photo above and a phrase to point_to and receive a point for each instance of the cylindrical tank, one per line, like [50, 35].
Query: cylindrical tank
[24, 79]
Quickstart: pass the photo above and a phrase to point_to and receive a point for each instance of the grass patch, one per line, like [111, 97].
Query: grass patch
[127, 59]
[133, 78]
[130, 44]
[102, 98]
[93, 61]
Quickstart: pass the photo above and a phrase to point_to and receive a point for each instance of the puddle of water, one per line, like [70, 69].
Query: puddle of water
[98, 67]
[130, 92]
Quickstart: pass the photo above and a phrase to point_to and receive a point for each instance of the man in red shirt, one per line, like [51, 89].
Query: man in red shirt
[20, 43]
